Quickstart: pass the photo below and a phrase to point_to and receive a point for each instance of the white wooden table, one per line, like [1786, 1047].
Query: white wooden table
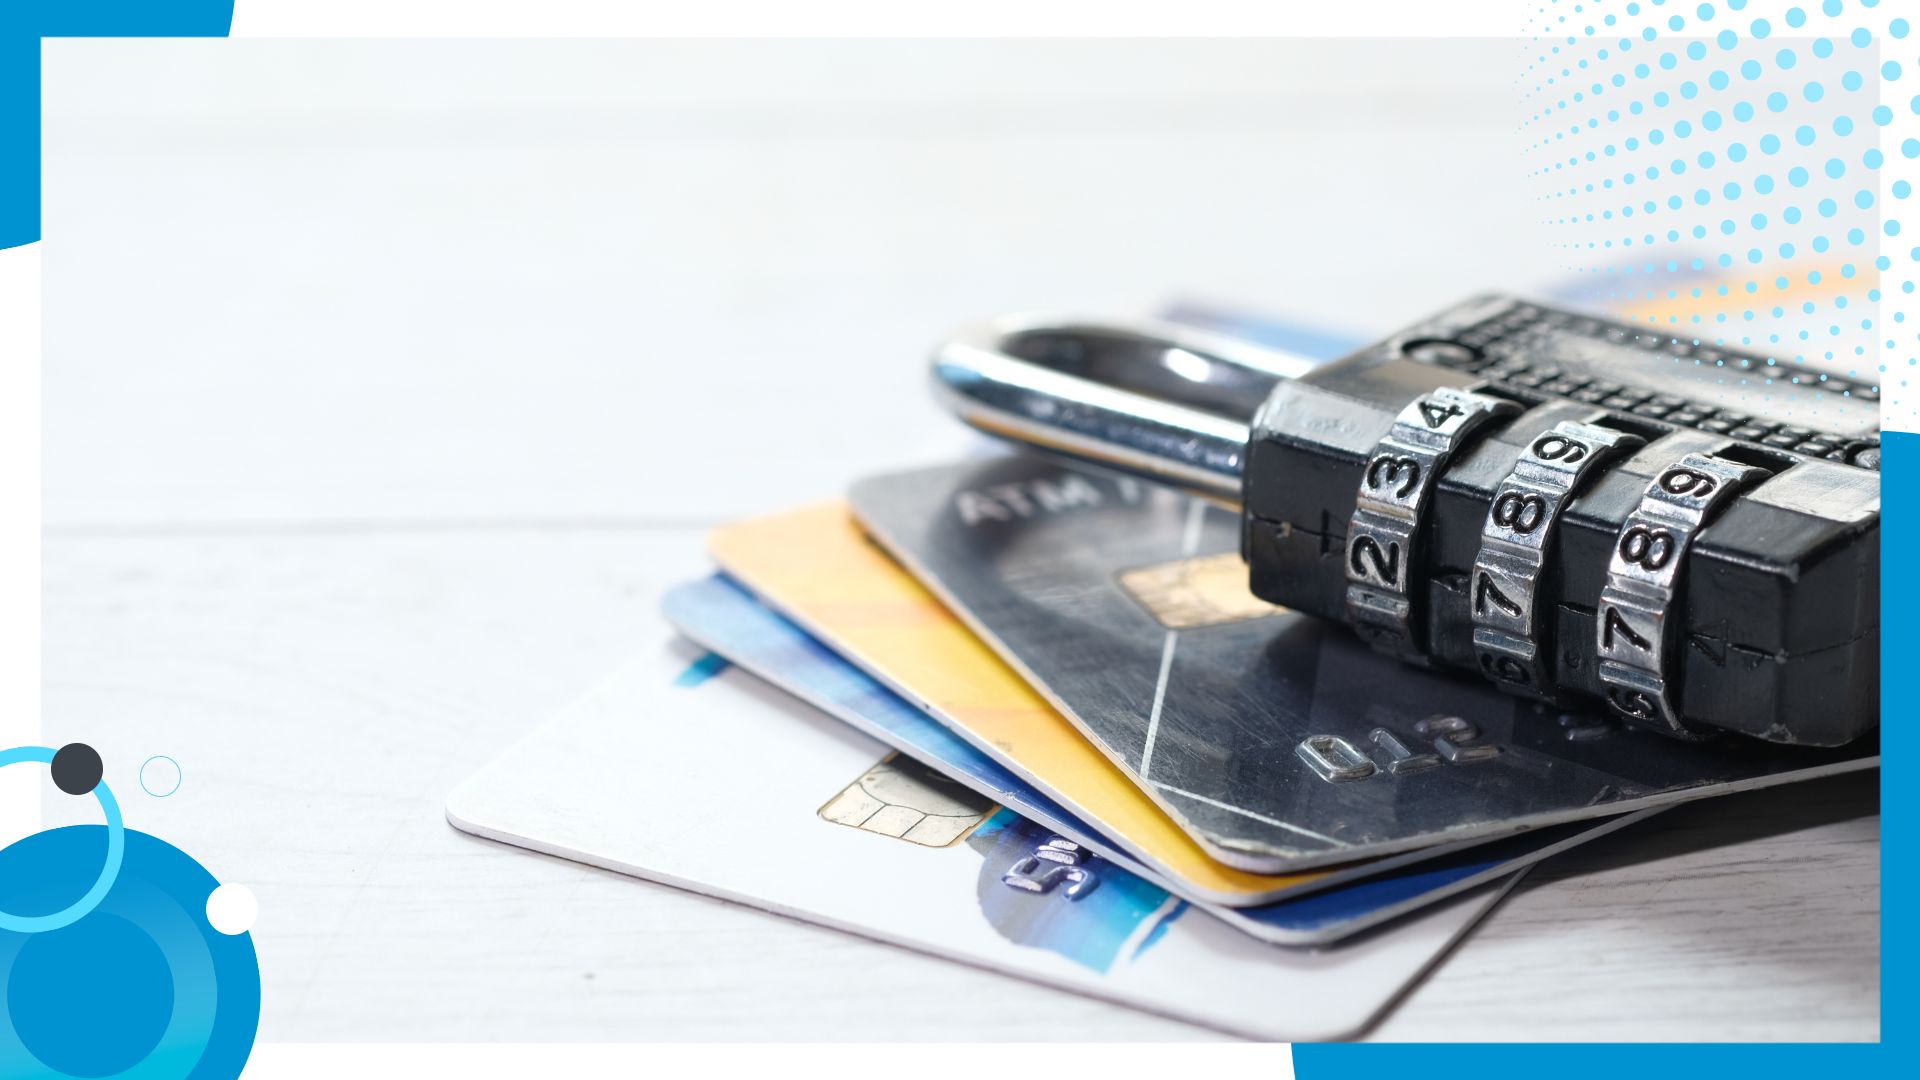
[387, 385]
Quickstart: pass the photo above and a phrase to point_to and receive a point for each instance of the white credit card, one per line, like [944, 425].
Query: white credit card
[684, 771]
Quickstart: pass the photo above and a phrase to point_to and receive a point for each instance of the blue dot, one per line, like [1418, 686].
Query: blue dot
[1673, 202]
[1763, 184]
[1855, 236]
[1911, 148]
[1669, 61]
[1769, 143]
[1704, 12]
[1677, 167]
[1795, 18]
[1836, 168]
[1696, 50]
[1890, 71]
[1776, 102]
[1842, 125]
[1860, 38]
[1750, 69]
[1891, 228]
[1718, 80]
[1901, 189]
[1676, 22]
[1821, 243]
[1883, 116]
[1827, 208]
[1814, 91]
[1758, 221]
[1785, 58]
[1727, 226]
[1851, 80]
[1863, 198]
[1706, 159]
[1737, 152]
[1682, 129]
[1872, 159]
[1743, 111]
[1731, 191]
[1660, 98]
[1897, 28]
[1803, 135]
[1689, 90]
[1791, 215]
[1831, 7]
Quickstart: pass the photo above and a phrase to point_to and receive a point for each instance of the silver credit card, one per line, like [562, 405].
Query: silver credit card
[1278, 741]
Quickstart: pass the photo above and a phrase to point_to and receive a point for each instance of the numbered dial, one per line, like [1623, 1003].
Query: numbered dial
[1388, 521]
[1638, 615]
[1518, 539]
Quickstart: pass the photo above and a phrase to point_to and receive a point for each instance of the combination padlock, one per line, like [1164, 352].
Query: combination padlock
[1574, 508]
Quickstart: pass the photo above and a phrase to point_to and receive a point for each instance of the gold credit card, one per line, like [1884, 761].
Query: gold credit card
[817, 567]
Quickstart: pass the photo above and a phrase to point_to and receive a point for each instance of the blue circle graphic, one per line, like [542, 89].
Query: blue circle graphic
[142, 988]
[110, 869]
[58, 976]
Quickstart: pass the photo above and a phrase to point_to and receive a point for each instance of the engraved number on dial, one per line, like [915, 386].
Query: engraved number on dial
[1520, 512]
[1643, 545]
[1385, 561]
[1388, 468]
[1615, 623]
[1485, 593]
[1436, 413]
[1560, 448]
[1679, 481]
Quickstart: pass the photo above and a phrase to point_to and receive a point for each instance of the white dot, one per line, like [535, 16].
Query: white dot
[232, 908]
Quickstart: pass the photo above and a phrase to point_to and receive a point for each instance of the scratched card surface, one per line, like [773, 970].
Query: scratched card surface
[815, 566]
[754, 811]
[1278, 741]
[723, 617]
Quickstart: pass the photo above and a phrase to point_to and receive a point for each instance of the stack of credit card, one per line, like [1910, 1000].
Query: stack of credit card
[1029, 716]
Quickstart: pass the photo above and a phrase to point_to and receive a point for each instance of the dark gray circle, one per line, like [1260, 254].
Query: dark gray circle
[76, 769]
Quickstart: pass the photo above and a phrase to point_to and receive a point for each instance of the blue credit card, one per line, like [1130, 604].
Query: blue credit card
[723, 617]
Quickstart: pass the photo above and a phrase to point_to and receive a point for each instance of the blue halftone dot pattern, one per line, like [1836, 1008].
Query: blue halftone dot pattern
[1714, 172]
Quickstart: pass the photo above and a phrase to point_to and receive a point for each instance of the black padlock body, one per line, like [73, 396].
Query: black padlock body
[1779, 601]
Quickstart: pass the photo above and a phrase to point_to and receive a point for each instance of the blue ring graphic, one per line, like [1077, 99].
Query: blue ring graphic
[179, 777]
[116, 849]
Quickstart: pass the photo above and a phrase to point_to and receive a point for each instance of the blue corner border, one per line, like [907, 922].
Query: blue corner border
[22, 24]
[1899, 591]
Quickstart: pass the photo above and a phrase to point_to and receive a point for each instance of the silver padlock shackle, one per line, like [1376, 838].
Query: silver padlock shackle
[1158, 400]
